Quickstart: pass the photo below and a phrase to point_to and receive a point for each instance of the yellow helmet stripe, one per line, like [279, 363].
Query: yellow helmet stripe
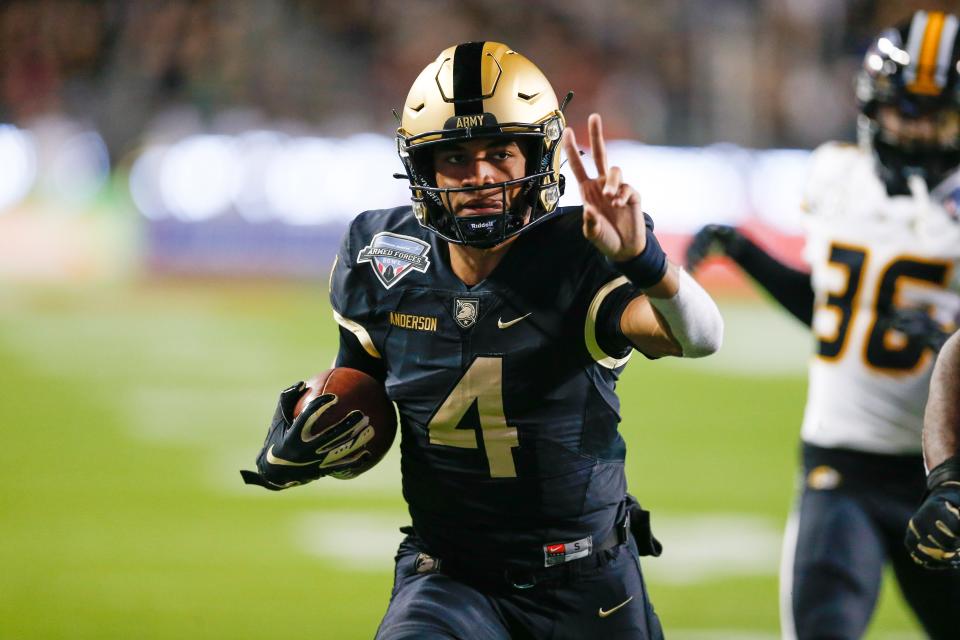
[467, 80]
[927, 60]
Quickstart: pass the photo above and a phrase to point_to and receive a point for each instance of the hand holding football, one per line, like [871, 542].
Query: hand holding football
[354, 391]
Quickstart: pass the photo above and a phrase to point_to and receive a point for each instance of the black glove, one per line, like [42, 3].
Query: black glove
[711, 238]
[933, 535]
[915, 322]
[293, 454]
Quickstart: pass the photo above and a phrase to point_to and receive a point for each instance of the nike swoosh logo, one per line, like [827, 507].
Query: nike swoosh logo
[504, 325]
[272, 459]
[604, 614]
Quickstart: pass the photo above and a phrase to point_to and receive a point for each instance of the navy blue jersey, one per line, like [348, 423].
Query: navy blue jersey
[505, 389]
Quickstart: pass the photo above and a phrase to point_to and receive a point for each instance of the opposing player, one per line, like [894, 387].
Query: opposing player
[499, 324]
[883, 243]
[933, 535]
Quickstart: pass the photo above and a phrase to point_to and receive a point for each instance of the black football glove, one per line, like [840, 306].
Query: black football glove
[915, 322]
[293, 454]
[933, 535]
[711, 238]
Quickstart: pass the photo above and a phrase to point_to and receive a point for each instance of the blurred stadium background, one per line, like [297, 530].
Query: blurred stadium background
[174, 179]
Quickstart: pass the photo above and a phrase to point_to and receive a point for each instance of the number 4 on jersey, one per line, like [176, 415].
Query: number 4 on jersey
[481, 384]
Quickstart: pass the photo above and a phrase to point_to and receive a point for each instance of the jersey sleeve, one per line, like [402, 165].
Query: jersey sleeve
[607, 293]
[354, 303]
[790, 287]
[353, 355]
[830, 165]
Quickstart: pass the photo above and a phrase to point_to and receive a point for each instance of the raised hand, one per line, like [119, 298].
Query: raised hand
[612, 218]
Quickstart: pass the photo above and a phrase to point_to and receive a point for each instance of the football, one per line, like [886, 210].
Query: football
[355, 390]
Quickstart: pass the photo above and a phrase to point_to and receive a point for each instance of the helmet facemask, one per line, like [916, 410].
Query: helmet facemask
[904, 144]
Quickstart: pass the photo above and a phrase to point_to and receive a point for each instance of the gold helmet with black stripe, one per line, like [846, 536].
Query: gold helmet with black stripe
[482, 90]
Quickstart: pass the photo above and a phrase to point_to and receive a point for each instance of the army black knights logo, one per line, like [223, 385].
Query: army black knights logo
[392, 256]
[465, 311]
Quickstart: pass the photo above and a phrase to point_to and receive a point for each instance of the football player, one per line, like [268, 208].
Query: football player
[499, 324]
[882, 242]
[933, 535]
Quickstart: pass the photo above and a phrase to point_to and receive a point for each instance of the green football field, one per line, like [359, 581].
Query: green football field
[127, 412]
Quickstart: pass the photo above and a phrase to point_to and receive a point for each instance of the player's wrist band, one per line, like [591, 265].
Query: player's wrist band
[948, 470]
[648, 268]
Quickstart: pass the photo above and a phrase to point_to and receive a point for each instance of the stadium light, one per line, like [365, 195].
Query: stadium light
[294, 183]
[681, 187]
[79, 167]
[18, 158]
[145, 183]
[258, 151]
[200, 176]
[265, 175]
[776, 187]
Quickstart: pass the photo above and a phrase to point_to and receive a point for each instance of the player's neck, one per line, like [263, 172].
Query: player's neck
[473, 265]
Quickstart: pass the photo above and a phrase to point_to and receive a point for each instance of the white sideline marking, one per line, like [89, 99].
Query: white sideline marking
[737, 634]
[718, 634]
[196, 415]
[697, 549]
[355, 541]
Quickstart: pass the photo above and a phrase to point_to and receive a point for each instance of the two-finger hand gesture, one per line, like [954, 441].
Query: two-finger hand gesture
[612, 218]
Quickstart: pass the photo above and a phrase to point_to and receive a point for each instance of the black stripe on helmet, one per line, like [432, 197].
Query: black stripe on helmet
[467, 81]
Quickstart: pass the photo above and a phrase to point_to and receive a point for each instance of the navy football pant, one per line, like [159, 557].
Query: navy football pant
[433, 605]
[852, 517]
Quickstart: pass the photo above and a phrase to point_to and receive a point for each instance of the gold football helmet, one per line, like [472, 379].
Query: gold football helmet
[482, 90]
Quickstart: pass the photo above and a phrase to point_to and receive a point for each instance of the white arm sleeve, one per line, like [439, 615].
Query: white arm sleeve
[693, 317]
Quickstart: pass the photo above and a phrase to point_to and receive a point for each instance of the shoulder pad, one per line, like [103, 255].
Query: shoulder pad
[379, 249]
[833, 165]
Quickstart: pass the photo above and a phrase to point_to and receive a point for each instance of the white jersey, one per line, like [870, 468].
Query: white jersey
[868, 253]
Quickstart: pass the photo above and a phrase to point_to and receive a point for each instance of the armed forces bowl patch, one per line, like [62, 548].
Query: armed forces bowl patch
[392, 256]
